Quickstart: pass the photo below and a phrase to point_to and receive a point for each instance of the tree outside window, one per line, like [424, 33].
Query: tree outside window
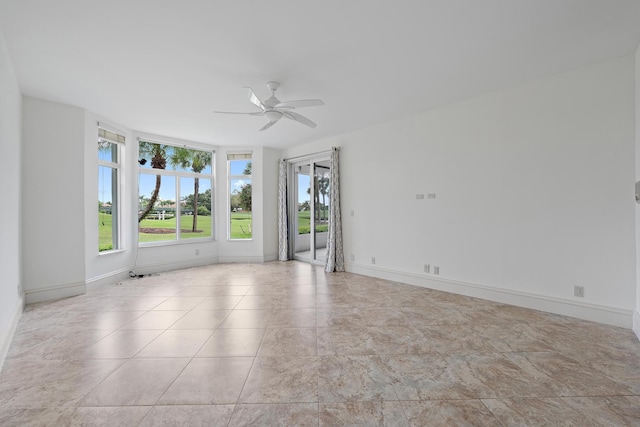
[175, 200]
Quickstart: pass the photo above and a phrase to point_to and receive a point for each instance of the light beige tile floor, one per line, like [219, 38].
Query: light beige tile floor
[286, 344]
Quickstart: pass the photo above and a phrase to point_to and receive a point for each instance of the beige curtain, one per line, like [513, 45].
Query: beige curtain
[283, 219]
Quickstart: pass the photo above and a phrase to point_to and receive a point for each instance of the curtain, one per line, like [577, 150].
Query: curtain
[283, 223]
[335, 256]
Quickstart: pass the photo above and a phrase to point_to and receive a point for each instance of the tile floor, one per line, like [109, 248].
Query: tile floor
[287, 344]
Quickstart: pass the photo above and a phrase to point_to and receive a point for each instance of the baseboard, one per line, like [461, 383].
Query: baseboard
[244, 259]
[52, 293]
[636, 322]
[107, 279]
[270, 257]
[115, 276]
[586, 311]
[174, 265]
[8, 330]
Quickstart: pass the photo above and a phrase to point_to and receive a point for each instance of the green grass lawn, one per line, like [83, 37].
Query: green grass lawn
[304, 223]
[186, 223]
[241, 226]
[104, 232]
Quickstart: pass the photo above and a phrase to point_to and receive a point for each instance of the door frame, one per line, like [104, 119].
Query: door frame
[292, 213]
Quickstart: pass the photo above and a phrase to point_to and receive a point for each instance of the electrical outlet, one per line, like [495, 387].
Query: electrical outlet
[373, 260]
[436, 269]
[427, 268]
[352, 257]
[578, 291]
[197, 251]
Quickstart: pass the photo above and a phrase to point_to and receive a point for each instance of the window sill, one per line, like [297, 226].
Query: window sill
[117, 251]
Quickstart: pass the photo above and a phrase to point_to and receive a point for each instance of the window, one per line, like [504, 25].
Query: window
[240, 196]
[175, 200]
[109, 154]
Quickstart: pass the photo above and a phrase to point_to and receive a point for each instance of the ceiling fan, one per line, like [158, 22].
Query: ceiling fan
[273, 109]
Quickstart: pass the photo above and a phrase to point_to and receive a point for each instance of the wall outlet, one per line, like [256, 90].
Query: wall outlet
[427, 268]
[197, 251]
[578, 291]
[373, 260]
[436, 269]
[352, 257]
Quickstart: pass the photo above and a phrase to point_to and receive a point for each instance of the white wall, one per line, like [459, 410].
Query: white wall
[11, 300]
[270, 203]
[111, 266]
[534, 194]
[53, 235]
[250, 250]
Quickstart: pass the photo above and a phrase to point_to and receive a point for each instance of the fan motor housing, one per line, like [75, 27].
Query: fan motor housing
[273, 86]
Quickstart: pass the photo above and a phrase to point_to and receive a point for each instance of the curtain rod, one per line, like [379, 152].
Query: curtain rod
[307, 155]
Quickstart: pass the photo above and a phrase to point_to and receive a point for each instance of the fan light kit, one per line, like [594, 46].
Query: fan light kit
[273, 109]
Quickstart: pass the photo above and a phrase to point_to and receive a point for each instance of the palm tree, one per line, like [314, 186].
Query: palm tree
[323, 188]
[197, 161]
[158, 153]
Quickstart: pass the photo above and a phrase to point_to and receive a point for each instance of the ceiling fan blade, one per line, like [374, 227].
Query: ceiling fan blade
[253, 98]
[298, 118]
[257, 113]
[301, 103]
[267, 126]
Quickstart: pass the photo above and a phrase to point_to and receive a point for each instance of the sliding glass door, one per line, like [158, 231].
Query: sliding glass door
[310, 219]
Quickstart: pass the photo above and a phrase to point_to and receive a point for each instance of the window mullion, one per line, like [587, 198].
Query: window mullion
[181, 162]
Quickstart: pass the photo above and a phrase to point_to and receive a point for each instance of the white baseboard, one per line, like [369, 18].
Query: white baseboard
[160, 267]
[107, 279]
[8, 330]
[581, 310]
[173, 265]
[244, 259]
[636, 322]
[270, 257]
[56, 292]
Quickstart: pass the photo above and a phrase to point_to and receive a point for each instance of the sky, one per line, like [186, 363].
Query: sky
[304, 183]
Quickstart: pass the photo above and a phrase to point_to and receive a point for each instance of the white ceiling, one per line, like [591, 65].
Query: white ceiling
[163, 66]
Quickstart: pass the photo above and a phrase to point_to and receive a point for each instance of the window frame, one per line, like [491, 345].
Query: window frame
[248, 155]
[118, 139]
[177, 175]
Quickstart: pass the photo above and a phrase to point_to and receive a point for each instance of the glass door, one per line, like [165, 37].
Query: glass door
[302, 224]
[321, 209]
[310, 210]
